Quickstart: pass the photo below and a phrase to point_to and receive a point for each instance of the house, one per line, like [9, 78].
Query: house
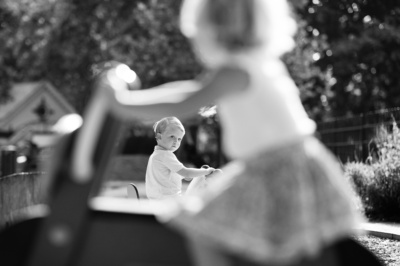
[28, 117]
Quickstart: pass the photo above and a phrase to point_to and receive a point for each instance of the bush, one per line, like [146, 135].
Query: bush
[360, 177]
[378, 181]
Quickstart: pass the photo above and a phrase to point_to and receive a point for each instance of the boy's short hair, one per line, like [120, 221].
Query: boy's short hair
[161, 125]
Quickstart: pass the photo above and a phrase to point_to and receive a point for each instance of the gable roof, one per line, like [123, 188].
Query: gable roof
[24, 93]
[19, 93]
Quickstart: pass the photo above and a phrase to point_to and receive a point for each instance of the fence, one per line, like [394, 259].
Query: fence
[17, 192]
[350, 138]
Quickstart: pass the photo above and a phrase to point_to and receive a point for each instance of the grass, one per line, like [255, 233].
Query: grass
[387, 250]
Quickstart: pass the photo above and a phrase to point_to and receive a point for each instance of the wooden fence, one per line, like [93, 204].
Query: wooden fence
[350, 138]
[17, 192]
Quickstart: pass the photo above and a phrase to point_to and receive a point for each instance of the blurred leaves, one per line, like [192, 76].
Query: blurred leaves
[360, 53]
[346, 60]
[25, 30]
[65, 41]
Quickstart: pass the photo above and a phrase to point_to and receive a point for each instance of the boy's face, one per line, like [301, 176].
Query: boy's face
[171, 138]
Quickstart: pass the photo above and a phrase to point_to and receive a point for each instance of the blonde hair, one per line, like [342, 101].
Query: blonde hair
[161, 125]
[238, 26]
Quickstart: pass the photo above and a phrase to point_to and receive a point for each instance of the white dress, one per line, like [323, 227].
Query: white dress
[284, 195]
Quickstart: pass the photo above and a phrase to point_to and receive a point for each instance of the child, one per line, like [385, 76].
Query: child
[165, 172]
[284, 197]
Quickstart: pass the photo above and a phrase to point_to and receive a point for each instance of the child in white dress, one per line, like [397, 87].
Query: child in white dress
[284, 197]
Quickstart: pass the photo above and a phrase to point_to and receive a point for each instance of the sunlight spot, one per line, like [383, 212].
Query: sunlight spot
[367, 19]
[316, 56]
[125, 73]
[357, 77]
[332, 81]
[349, 87]
[21, 159]
[68, 123]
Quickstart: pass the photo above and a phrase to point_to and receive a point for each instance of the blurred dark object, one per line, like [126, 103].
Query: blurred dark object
[8, 160]
[32, 158]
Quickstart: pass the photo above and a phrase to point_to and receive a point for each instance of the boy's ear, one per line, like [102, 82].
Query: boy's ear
[158, 136]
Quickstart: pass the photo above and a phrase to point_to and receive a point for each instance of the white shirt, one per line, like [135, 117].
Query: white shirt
[162, 180]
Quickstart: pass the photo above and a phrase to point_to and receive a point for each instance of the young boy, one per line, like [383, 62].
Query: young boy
[165, 172]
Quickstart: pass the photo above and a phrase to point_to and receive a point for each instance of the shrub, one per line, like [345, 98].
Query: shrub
[360, 176]
[378, 182]
[384, 191]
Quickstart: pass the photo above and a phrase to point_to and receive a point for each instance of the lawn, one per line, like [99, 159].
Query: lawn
[387, 250]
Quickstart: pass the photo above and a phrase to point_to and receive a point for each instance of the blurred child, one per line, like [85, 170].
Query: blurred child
[284, 197]
[165, 172]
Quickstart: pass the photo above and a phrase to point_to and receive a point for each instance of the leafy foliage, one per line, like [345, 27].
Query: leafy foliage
[313, 83]
[360, 176]
[25, 29]
[362, 52]
[346, 59]
[378, 183]
[67, 41]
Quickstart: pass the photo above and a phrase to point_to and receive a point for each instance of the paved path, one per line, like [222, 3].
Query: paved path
[386, 230]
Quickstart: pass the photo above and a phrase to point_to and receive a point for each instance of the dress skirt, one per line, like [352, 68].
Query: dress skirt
[275, 207]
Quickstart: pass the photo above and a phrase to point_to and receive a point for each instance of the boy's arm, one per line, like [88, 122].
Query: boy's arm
[194, 172]
[216, 172]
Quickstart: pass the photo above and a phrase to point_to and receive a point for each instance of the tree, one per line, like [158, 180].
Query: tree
[313, 83]
[66, 41]
[25, 29]
[346, 60]
[362, 55]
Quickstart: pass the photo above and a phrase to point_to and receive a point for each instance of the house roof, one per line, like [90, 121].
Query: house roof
[22, 93]
[19, 93]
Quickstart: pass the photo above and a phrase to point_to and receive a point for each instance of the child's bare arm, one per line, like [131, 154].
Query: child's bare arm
[183, 102]
[194, 172]
[215, 173]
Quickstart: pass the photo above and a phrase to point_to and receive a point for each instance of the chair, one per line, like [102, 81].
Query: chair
[132, 191]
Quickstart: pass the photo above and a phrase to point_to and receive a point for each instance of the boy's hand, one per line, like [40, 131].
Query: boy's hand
[211, 170]
[215, 173]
